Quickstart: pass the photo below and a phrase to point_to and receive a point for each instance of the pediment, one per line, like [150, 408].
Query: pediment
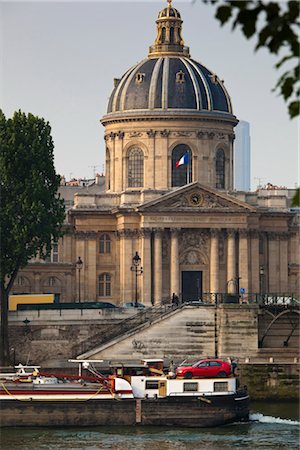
[195, 197]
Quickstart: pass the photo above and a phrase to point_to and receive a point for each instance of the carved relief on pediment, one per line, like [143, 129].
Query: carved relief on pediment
[204, 200]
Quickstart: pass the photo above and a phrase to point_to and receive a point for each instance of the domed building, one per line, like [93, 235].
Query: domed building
[169, 221]
[162, 108]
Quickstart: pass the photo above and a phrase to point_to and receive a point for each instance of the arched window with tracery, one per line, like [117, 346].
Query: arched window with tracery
[104, 244]
[181, 165]
[135, 172]
[107, 172]
[105, 285]
[220, 169]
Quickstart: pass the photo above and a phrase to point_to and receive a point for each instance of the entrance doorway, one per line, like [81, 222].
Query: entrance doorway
[191, 285]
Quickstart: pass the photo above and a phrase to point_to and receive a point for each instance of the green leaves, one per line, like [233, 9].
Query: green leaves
[31, 212]
[276, 27]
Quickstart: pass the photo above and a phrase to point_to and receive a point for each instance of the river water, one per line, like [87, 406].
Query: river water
[272, 426]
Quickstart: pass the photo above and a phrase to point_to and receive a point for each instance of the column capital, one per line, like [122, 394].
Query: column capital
[158, 230]
[126, 233]
[254, 233]
[215, 233]
[120, 134]
[175, 230]
[243, 232]
[151, 133]
[145, 232]
[231, 232]
[165, 133]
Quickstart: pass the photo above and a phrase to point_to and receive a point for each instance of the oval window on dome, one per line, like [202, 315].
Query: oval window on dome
[181, 165]
[135, 167]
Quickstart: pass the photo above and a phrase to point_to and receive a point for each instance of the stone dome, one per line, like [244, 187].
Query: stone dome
[169, 80]
[167, 83]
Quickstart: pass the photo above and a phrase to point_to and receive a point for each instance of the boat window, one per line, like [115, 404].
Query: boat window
[151, 384]
[214, 363]
[220, 386]
[190, 387]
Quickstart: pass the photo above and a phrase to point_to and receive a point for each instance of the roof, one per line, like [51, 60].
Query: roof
[169, 83]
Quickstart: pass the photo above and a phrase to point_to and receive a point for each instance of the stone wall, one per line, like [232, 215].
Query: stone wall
[270, 381]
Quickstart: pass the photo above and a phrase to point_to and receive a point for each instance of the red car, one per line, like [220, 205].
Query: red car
[205, 368]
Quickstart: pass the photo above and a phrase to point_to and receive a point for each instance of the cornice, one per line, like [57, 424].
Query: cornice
[183, 115]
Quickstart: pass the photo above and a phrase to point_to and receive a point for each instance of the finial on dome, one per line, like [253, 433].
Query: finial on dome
[168, 40]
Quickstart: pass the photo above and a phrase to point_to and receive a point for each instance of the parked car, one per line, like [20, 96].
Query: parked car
[134, 305]
[205, 368]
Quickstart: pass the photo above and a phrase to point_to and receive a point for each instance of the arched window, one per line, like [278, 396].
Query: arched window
[220, 169]
[163, 35]
[171, 35]
[104, 244]
[107, 172]
[104, 285]
[181, 165]
[135, 167]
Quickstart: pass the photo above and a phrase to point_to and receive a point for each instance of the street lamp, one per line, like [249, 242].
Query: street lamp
[262, 279]
[136, 261]
[79, 265]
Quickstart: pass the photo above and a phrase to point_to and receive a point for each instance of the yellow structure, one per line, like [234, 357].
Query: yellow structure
[169, 134]
[28, 299]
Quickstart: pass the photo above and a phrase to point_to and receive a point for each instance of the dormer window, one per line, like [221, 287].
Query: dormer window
[214, 78]
[139, 77]
[180, 77]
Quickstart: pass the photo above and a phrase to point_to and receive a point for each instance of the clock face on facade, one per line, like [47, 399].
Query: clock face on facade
[195, 199]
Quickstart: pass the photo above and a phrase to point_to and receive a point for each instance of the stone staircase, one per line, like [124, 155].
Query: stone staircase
[178, 333]
[142, 317]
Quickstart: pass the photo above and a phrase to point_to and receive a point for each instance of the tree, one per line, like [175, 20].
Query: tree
[32, 213]
[276, 27]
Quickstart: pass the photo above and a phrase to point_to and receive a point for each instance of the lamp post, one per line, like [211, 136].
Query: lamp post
[261, 279]
[79, 265]
[136, 261]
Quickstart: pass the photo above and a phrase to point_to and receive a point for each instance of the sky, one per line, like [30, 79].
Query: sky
[58, 61]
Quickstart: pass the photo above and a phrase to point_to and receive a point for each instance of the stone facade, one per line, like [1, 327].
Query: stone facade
[194, 235]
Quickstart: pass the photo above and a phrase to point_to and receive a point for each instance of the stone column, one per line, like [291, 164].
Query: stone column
[157, 266]
[214, 262]
[117, 145]
[254, 282]
[91, 263]
[231, 138]
[273, 263]
[283, 270]
[174, 270]
[146, 264]
[161, 161]
[151, 175]
[243, 260]
[126, 254]
[231, 262]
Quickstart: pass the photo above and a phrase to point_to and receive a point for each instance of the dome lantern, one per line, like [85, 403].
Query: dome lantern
[168, 40]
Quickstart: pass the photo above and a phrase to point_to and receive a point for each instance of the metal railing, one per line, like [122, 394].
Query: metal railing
[143, 316]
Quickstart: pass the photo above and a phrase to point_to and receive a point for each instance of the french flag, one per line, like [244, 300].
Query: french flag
[183, 160]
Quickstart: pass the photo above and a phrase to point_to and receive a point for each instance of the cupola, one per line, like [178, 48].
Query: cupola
[168, 40]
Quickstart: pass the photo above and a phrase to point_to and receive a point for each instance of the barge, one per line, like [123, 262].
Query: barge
[128, 397]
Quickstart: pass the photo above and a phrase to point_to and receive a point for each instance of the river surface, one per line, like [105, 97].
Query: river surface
[272, 426]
